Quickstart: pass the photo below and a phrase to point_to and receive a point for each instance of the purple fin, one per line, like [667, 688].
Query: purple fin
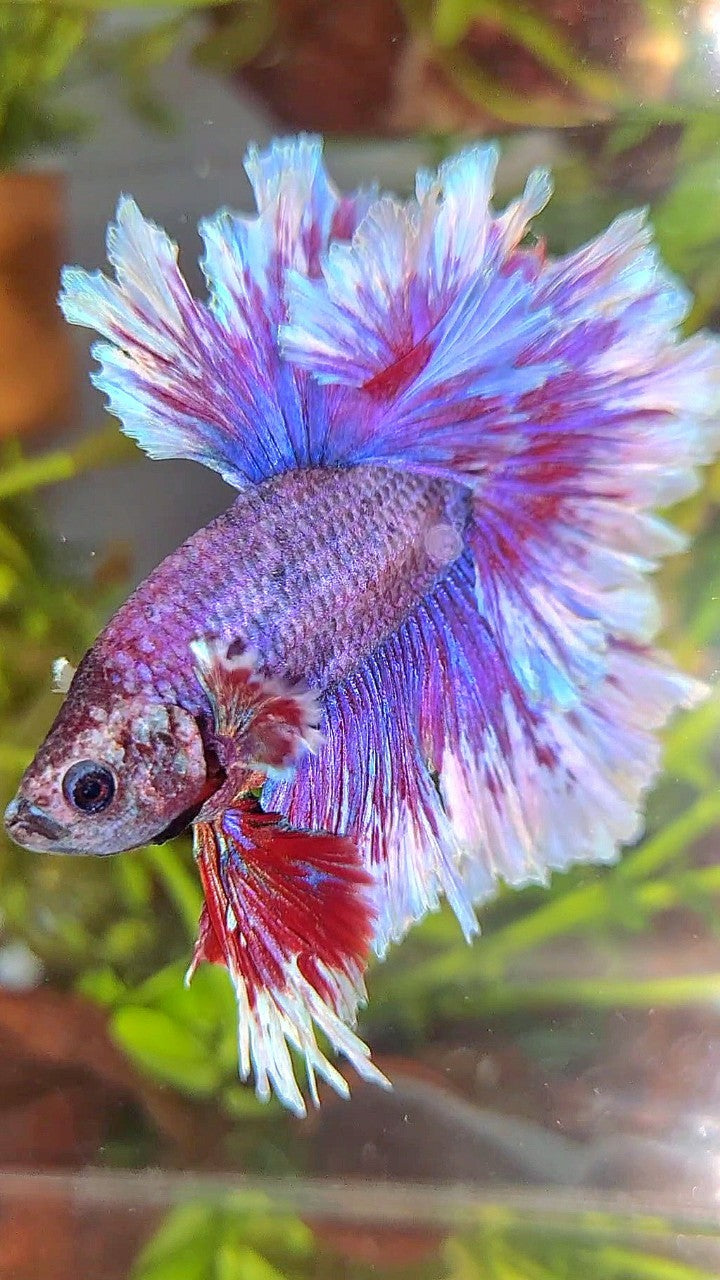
[422, 334]
[466, 352]
[561, 393]
[206, 380]
[451, 775]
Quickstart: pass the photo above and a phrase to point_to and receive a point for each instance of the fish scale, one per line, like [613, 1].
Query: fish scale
[313, 602]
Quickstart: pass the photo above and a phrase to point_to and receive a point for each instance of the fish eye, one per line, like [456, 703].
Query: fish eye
[89, 786]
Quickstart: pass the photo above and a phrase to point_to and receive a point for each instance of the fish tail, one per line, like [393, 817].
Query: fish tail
[509, 727]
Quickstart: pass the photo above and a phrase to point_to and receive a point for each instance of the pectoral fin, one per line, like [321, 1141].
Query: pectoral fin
[262, 722]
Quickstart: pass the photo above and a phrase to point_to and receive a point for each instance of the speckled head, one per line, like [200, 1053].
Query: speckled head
[113, 773]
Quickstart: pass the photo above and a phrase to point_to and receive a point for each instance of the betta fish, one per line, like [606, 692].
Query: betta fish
[414, 658]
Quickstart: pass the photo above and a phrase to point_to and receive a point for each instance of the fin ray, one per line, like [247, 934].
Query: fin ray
[263, 723]
[463, 351]
[451, 775]
[422, 334]
[207, 381]
[289, 913]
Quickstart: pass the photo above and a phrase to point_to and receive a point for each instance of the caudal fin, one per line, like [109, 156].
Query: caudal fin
[509, 727]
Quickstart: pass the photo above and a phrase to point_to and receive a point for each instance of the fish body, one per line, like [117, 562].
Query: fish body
[415, 657]
[311, 570]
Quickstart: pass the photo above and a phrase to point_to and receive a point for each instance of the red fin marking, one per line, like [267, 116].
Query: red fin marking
[290, 914]
[397, 376]
[270, 724]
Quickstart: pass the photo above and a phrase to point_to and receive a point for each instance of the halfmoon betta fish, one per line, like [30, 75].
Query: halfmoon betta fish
[422, 632]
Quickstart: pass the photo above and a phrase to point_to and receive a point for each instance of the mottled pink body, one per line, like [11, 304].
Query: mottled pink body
[312, 570]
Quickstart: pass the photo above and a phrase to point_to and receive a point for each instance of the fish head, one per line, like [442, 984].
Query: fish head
[112, 774]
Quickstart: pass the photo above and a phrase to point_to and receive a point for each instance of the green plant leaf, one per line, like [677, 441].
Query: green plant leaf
[103, 448]
[102, 985]
[451, 20]
[184, 1248]
[206, 1008]
[543, 39]
[165, 1049]
[239, 41]
[687, 221]
[233, 1260]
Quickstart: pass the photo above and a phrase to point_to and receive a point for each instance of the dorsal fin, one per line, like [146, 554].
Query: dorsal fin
[206, 380]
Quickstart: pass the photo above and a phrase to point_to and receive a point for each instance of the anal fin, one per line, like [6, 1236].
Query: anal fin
[291, 915]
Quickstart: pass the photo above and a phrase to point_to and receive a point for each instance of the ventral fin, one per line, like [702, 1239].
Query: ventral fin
[290, 913]
[264, 724]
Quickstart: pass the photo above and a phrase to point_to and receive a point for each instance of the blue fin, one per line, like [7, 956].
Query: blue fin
[422, 334]
[462, 349]
[451, 776]
[206, 380]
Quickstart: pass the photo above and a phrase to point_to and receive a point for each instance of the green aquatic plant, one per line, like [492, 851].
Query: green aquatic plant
[48, 48]
[240, 1236]
[227, 1236]
[38, 46]
[506, 1246]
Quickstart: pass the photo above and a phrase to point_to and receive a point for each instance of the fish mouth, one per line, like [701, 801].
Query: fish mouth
[32, 828]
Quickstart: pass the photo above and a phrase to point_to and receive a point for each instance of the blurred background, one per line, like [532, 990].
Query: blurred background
[556, 1109]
